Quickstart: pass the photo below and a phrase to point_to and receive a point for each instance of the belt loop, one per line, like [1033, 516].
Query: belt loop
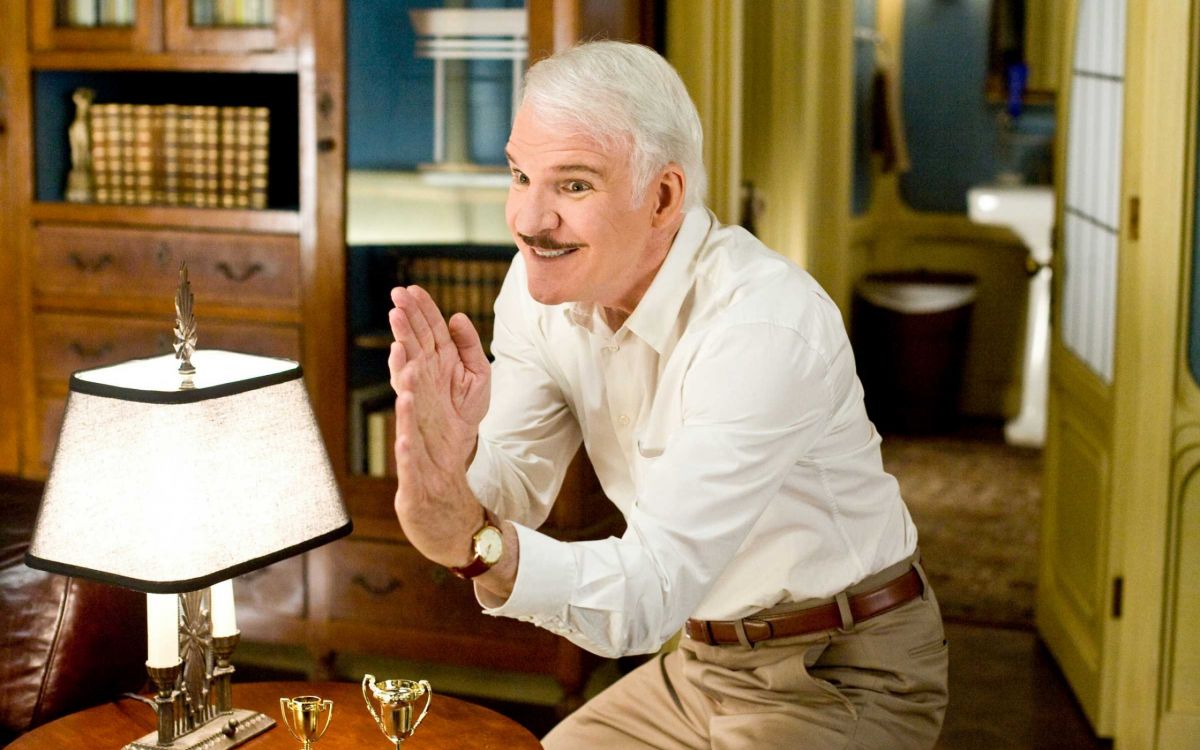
[708, 634]
[843, 604]
[924, 580]
[739, 627]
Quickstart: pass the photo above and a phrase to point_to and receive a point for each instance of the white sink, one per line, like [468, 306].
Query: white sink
[1028, 210]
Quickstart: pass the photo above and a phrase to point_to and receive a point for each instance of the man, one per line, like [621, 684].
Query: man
[713, 387]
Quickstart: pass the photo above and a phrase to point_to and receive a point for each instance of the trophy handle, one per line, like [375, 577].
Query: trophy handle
[328, 716]
[367, 697]
[283, 711]
[428, 699]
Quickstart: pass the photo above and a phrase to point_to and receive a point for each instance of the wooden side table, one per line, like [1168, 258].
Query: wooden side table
[451, 723]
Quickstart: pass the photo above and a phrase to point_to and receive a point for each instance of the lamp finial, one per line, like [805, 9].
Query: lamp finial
[185, 327]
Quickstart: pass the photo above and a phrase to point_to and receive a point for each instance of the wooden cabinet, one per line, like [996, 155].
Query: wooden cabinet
[95, 283]
[89, 284]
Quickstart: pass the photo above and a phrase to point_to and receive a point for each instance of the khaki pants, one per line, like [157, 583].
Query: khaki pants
[881, 686]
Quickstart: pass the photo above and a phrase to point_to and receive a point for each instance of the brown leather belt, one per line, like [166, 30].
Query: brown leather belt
[758, 628]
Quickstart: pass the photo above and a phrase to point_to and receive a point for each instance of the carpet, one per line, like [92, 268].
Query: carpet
[977, 505]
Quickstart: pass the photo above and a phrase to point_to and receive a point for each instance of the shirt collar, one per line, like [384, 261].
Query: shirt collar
[655, 315]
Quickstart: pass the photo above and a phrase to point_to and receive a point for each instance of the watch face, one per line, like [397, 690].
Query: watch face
[489, 544]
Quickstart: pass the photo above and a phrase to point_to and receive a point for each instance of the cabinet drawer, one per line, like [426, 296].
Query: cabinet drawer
[66, 343]
[376, 583]
[276, 589]
[231, 269]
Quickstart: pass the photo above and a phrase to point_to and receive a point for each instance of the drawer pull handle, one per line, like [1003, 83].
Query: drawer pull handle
[90, 266]
[247, 273]
[83, 351]
[376, 590]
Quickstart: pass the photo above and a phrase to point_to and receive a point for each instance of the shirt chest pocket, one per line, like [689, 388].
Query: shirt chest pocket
[648, 447]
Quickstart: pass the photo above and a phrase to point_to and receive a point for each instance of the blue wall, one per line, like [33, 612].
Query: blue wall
[953, 136]
[390, 91]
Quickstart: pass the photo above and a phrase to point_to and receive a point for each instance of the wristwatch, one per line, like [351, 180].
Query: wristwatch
[488, 544]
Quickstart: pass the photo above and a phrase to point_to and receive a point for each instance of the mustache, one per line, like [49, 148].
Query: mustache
[545, 242]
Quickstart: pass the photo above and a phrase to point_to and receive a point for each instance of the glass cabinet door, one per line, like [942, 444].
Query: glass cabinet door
[230, 25]
[117, 25]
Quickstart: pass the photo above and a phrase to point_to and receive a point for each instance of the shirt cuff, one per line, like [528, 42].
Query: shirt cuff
[546, 573]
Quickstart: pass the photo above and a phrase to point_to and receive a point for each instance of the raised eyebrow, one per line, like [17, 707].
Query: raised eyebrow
[574, 168]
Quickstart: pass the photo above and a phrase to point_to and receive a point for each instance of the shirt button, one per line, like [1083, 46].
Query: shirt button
[623, 419]
[612, 348]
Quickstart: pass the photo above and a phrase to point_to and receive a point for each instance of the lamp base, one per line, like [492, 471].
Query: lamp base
[212, 734]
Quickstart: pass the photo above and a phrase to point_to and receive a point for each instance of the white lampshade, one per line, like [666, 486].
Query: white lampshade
[166, 490]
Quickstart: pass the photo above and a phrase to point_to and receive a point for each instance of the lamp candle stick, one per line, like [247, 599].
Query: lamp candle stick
[162, 630]
[224, 618]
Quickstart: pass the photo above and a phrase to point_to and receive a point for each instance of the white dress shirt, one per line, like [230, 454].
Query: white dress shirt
[724, 419]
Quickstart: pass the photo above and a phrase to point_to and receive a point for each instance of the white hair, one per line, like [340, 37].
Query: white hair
[624, 94]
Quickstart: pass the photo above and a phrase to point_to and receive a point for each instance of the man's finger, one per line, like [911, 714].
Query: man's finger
[408, 304]
[404, 334]
[433, 316]
[470, 346]
[396, 361]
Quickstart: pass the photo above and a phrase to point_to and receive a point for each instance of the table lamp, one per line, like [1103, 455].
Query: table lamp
[174, 480]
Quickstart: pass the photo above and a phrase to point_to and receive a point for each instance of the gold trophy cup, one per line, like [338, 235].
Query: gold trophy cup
[302, 716]
[396, 700]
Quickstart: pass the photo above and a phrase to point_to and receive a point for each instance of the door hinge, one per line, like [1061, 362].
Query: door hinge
[1117, 595]
[1135, 211]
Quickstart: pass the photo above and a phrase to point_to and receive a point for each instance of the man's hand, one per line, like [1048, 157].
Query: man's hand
[442, 381]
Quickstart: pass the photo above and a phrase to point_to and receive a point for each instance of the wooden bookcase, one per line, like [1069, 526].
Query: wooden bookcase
[88, 284]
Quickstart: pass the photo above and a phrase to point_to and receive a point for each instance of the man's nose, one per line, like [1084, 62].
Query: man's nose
[534, 212]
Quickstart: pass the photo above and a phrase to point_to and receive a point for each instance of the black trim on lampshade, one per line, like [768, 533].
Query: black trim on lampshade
[191, 584]
[188, 396]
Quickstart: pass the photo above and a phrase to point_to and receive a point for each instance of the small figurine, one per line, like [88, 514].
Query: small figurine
[81, 184]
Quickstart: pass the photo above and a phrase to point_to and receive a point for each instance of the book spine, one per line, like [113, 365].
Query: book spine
[183, 136]
[260, 134]
[241, 157]
[212, 157]
[128, 166]
[376, 444]
[143, 155]
[100, 148]
[203, 13]
[170, 154]
[79, 13]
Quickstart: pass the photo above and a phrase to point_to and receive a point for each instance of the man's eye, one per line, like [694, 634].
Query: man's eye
[578, 186]
[519, 178]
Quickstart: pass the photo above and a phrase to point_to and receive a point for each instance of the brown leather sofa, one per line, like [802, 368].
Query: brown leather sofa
[65, 644]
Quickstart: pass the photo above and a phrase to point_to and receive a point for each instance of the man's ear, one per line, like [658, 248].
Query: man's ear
[669, 190]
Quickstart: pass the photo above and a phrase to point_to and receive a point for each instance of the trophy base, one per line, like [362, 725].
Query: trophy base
[211, 735]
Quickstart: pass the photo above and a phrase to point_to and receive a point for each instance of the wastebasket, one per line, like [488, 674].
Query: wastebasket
[909, 333]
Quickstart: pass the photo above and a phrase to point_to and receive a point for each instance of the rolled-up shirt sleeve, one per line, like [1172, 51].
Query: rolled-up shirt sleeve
[754, 398]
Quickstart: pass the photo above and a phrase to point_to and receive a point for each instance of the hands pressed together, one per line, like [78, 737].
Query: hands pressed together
[442, 380]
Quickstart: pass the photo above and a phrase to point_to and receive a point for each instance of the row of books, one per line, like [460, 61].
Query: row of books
[180, 155]
[466, 285]
[233, 12]
[92, 13]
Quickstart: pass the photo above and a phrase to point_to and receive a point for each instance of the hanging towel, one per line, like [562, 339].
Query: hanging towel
[888, 122]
